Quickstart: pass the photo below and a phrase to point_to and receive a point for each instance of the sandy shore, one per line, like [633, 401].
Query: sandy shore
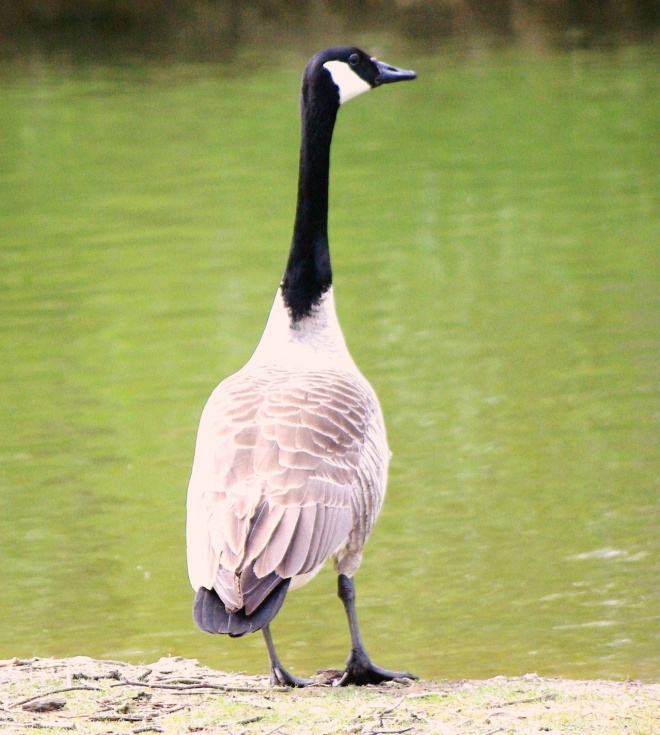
[176, 695]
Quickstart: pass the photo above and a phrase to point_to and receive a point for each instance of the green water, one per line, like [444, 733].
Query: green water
[495, 232]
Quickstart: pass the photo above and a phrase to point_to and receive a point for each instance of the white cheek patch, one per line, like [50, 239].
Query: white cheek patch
[349, 83]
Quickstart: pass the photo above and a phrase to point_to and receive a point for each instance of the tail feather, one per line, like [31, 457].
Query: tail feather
[211, 615]
[244, 589]
[203, 612]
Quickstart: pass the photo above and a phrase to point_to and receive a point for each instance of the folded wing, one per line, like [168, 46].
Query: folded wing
[278, 481]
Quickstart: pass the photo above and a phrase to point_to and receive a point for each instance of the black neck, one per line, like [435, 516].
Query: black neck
[308, 274]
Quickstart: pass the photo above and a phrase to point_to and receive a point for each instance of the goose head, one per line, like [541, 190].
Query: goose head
[345, 72]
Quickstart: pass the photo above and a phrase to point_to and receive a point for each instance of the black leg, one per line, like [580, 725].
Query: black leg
[359, 668]
[279, 676]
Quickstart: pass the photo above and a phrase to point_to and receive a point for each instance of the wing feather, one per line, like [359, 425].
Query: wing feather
[313, 557]
[278, 543]
[296, 560]
[263, 528]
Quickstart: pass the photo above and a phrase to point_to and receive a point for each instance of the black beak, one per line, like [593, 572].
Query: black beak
[388, 74]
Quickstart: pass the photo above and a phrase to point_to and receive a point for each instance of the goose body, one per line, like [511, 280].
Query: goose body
[290, 464]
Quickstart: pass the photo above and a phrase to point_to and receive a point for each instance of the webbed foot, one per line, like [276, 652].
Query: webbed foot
[280, 677]
[361, 671]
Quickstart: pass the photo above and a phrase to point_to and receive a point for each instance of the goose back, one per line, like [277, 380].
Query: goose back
[290, 468]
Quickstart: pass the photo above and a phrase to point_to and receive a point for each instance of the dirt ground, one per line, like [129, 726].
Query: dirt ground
[176, 695]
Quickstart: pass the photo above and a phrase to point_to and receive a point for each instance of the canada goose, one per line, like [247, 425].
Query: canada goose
[291, 458]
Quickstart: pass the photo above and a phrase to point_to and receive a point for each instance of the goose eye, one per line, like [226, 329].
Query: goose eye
[353, 59]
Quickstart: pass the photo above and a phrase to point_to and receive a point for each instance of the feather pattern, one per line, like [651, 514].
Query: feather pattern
[290, 467]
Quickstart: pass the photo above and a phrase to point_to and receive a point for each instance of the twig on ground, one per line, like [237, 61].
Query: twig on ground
[119, 718]
[169, 711]
[391, 709]
[250, 702]
[38, 725]
[187, 687]
[278, 727]
[183, 681]
[529, 700]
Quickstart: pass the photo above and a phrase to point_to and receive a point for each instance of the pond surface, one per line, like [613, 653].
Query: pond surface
[495, 232]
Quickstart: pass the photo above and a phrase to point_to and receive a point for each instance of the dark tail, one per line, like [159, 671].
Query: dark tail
[211, 615]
